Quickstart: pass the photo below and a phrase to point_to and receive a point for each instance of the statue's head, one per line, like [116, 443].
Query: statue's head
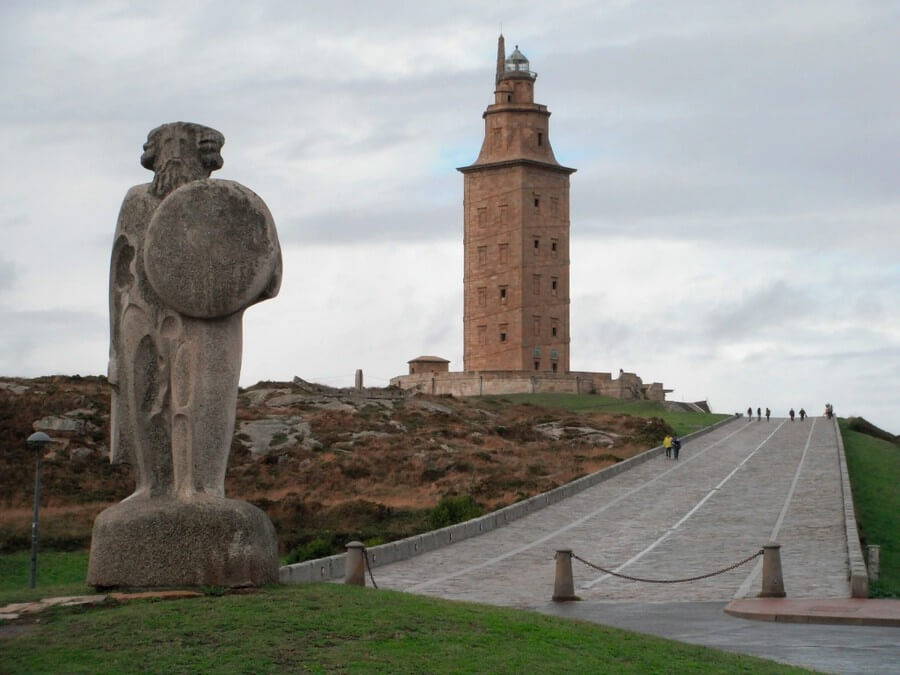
[180, 152]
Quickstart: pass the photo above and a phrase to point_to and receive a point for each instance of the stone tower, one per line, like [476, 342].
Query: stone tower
[516, 234]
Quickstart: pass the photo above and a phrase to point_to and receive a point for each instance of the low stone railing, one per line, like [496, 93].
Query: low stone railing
[859, 577]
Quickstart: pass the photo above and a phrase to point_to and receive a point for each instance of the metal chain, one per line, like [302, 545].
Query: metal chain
[670, 581]
[369, 567]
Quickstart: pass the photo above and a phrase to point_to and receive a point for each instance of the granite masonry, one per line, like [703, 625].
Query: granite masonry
[190, 254]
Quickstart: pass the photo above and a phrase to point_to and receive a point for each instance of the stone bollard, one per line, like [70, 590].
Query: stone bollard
[772, 579]
[874, 555]
[355, 569]
[564, 586]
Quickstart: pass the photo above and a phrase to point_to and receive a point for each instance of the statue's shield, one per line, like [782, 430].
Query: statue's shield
[211, 248]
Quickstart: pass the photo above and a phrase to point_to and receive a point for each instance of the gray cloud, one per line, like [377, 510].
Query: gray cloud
[35, 342]
[8, 275]
[775, 308]
[709, 130]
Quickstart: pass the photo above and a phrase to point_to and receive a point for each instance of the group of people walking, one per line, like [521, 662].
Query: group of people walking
[759, 414]
[802, 414]
[828, 413]
[672, 444]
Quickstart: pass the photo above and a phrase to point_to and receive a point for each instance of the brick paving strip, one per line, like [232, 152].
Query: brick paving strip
[842, 611]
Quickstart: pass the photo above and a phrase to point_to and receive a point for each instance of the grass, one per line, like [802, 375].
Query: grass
[874, 467]
[58, 573]
[335, 628]
[682, 422]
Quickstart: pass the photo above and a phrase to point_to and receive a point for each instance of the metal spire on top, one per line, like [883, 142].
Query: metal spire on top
[501, 58]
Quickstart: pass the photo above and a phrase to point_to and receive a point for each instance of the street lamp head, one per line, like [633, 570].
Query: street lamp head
[38, 440]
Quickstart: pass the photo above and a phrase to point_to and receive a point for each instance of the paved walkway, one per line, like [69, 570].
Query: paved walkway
[826, 648]
[734, 489]
[731, 491]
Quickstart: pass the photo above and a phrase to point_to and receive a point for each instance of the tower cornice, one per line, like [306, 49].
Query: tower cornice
[516, 108]
[516, 162]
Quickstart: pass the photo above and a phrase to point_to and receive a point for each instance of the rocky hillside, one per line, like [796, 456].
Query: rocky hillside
[326, 464]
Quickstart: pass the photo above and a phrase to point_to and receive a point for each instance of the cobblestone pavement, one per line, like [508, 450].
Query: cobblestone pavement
[731, 491]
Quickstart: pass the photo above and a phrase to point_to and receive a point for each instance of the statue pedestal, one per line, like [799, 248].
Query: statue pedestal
[167, 543]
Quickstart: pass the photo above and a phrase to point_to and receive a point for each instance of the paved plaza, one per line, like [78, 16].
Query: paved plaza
[731, 491]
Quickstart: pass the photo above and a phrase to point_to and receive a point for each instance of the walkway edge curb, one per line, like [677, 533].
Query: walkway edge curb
[334, 567]
[859, 576]
[845, 612]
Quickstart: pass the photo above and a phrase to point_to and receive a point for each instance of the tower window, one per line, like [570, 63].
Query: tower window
[537, 245]
[540, 138]
[553, 365]
[503, 328]
[554, 282]
[504, 253]
[537, 365]
[553, 330]
[482, 217]
[503, 209]
[554, 244]
[503, 294]
[508, 98]
[482, 255]
[536, 325]
[482, 296]
[482, 335]
[536, 284]
[537, 202]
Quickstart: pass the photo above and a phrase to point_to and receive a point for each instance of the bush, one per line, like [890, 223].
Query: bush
[317, 548]
[452, 510]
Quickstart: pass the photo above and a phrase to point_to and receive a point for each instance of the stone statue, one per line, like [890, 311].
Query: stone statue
[190, 254]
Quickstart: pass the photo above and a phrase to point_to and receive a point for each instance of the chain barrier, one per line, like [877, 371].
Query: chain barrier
[670, 581]
[365, 553]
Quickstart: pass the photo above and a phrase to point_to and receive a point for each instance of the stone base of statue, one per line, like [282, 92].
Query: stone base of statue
[167, 543]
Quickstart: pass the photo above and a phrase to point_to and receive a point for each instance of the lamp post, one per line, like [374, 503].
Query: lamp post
[37, 442]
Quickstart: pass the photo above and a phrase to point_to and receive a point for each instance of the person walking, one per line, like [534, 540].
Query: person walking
[791, 413]
[750, 413]
[768, 412]
[676, 446]
[759, 414]
[667, 444]
[802, 414]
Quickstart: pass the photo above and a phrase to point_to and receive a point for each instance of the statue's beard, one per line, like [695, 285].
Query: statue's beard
[172, 175]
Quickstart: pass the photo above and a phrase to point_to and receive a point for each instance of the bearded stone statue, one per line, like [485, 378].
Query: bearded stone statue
[190, 254]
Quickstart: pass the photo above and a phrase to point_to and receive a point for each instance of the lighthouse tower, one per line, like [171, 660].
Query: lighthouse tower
[516, 234]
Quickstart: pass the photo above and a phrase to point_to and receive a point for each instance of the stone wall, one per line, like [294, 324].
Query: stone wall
[627, 386]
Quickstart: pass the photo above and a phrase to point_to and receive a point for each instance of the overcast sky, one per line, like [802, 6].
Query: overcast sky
[734, 220]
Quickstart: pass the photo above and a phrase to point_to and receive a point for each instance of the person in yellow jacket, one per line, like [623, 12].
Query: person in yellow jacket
[667, 444]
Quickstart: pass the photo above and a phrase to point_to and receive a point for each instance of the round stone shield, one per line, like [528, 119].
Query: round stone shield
[211, 248]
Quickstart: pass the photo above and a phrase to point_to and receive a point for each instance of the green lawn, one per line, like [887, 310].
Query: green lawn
[874, 467]
[683, 422]
[58, 573]
[336, 628]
